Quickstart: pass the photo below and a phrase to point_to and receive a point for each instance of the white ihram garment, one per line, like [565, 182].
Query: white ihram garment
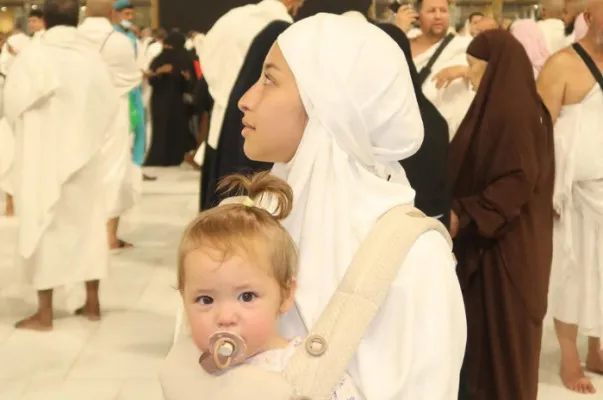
[223, 52]
[554, 34]
[453, 101]
[59, 102]
[577, 276]
[357, 131]
[7, 141]
[123, 178]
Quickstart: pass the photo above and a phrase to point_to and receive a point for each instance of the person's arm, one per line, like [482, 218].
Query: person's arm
[513, 171]
[415, 347]
[551, 83]
[157, 73]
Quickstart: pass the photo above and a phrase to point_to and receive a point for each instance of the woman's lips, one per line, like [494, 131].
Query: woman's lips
[247, 128]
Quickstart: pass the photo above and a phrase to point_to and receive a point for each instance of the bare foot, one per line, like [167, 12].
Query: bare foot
[9, 209]
[120, 244]
[35, 323]
[594, 363]
[574, 379]
[189, 158]
[90, 312]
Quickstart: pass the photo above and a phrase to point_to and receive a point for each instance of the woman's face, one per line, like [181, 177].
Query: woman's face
[477, 68]
[274, 118]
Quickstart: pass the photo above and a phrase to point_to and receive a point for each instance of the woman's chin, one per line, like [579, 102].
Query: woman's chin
[255, 154]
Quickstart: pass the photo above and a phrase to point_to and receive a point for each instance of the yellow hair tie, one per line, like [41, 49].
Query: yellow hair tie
[248, 202]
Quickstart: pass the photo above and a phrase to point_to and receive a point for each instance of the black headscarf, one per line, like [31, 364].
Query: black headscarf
[174, 53]
[427, 169]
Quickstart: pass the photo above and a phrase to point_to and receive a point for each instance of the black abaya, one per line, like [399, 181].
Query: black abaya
[427, 170]
[170, 114]
[229, 157]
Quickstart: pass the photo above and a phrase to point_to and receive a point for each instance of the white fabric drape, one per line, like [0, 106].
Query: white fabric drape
[59, 139]
[123, 178]
[554, 34]
[363, 117]
[7, 142]
[453, 101]
[577, 276]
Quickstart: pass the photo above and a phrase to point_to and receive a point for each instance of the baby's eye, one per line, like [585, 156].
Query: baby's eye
[205, 300]
[247, 297]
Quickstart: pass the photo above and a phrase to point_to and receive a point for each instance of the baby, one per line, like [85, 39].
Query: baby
[237, 274]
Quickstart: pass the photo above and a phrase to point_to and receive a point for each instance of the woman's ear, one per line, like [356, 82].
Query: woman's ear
[288, 297]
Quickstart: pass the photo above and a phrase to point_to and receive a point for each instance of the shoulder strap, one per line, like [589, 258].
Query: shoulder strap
[426, 70]
[589, 63]
[316, 369]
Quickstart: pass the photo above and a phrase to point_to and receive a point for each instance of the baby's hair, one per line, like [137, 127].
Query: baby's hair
[261, 187]
[239, 228]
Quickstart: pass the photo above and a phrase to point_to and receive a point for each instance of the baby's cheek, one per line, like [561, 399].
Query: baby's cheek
[259, 328]
[201, 330]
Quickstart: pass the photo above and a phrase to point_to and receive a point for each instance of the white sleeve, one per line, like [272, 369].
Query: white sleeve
[120, 57]
[414, 349]
[453, 101]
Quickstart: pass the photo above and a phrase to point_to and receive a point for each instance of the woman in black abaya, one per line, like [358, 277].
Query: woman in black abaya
[427, 170]
[173, 79]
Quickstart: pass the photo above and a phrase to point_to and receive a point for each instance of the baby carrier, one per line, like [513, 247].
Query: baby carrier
[317, 366]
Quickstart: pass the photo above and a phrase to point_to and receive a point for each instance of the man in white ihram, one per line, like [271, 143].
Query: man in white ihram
[552, 25]
[59, 100]
[122, 176]
[571, 86]
[452, 99]
[224, 49]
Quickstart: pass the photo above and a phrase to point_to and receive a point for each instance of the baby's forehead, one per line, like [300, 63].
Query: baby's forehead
[211, 259]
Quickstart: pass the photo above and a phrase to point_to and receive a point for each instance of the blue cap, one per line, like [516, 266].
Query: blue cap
[122, 5]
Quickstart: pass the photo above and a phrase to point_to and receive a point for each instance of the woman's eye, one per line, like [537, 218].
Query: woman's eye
[205, 300]
[247, 297]
[266, 80]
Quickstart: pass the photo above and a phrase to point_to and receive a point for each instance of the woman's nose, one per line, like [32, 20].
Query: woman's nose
[250, 98]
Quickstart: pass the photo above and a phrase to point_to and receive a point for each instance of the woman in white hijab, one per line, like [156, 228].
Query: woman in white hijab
[335, 110]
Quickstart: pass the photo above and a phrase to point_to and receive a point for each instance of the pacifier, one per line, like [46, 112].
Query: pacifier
[225, 350]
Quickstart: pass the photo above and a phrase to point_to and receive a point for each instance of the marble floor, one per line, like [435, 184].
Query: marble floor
[118, 357]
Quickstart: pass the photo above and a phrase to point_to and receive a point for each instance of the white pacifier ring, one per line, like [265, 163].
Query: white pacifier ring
[227, 349]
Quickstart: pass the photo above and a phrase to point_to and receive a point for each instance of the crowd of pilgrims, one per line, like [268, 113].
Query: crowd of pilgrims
[505, 155]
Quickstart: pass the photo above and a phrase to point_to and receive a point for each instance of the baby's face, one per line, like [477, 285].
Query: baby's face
[234, 295]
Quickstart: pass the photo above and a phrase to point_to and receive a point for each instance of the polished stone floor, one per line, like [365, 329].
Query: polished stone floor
[118, 358]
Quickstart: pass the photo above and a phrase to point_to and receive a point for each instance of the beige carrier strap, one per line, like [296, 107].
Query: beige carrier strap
[317, 368]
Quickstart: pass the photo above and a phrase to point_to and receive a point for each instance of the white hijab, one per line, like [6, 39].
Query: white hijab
[363, 117]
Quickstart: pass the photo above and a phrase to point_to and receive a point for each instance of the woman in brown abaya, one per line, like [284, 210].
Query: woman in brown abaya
[502, 173]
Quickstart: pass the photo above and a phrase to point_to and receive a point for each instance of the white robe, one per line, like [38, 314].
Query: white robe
[59, 101]
[224, 50]
[453, 101]
[554, 34]
[122, 177]
[7, 142]
[577, 276]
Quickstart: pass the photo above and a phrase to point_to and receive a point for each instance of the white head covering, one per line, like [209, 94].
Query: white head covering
[363, 117]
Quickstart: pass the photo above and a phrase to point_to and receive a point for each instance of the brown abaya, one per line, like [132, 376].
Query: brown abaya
[502, 174]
